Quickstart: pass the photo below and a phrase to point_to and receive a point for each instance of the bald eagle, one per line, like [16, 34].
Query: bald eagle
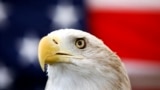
[77, 60]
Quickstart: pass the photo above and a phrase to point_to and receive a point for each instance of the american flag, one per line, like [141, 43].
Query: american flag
[131, 28]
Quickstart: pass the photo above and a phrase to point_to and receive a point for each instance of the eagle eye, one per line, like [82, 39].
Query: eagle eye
[80, 43]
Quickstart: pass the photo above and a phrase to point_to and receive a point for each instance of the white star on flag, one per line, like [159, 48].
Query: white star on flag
[27, 48]
[64, 15]
[6, 77]
[4, 9]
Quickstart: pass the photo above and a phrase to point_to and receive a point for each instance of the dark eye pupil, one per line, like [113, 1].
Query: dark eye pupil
[80, 43]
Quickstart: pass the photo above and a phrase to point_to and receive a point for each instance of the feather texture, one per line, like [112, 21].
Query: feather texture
[98, 68]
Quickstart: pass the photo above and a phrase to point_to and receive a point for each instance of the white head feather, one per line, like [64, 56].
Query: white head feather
[95, 67]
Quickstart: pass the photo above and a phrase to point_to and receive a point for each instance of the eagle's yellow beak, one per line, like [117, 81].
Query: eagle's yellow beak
[50, 52]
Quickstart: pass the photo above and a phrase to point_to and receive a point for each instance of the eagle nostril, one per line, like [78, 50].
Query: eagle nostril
[54, 41]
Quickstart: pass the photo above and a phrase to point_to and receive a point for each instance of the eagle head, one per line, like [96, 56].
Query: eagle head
[77, 60]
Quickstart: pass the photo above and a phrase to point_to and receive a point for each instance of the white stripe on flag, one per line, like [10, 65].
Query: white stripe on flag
[124, 4]
[143, 74]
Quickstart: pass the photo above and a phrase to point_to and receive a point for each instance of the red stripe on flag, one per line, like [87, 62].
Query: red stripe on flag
[131, 34]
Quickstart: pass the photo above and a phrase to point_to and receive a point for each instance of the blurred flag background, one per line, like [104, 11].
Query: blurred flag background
[131, 28]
